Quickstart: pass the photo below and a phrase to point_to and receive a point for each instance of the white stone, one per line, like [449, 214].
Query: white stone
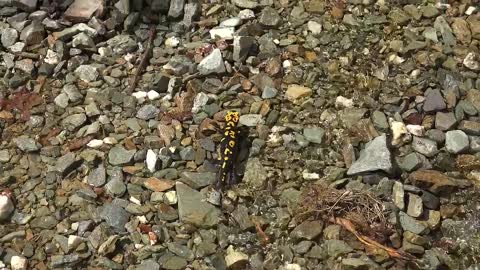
[170, 197]
[135, 200]
[246, 14]
[110, 140]
[6, 206]
[140, 95]
[472, 61]
[222, 32]
[73, 242]
[18, 263]
[153, 95]
[233, 257]
[95, 143]
[200, 100]
[52, 57]
[310, 176]
[213, 63]
[172, 42]
[416, 130]
[470, 10]
[151, 160]
[232, 22]
[343, 102]
[314, 27]
[398, 131]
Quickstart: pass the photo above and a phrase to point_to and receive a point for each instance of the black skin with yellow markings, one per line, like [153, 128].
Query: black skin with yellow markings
[226, 175]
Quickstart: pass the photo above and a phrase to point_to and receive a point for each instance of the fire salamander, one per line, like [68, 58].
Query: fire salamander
[228, 151]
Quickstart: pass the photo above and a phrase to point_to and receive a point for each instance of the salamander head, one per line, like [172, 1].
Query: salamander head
[232, 116]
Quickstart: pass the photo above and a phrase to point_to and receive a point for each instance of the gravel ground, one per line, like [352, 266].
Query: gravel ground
[110, 118]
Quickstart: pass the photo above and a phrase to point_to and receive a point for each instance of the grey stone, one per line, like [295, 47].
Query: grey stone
[241, 47]
[269, 92]
[251, 120]
[424, 146]
[34, 33]
[115, 216]
[445, 121]
[433, 101]
[87, 73]
[308, 230]
[410, 224]
[242, 218]
[83, 40]
[475, 143]
[270, 17]
[120, 156]
[198, 180]
[122, 44]
[337, 248]
[415, 205]
[67, 163]
[192, 207]
[250, 4]
[436, 135]
[97, 177]
[314, 134]
[116, 187]
[470, 127]
[213, 63]
[375, 156]
[410, 162]
[456, 141]
[363, 262]
[8, 37]
[64, 261]
[442, 26]
[380, 120]
[27, 5]
[255, 174]
[176, 8]
[148, 265]
[191, 12]
[398, 195]
[44, 222]
[74, 121]
[147, 112]
[26, 144]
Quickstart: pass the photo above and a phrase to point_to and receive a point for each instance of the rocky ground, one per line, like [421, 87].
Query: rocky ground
[110, 115]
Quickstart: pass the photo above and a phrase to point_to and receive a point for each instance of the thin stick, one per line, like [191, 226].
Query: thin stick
[143, 62]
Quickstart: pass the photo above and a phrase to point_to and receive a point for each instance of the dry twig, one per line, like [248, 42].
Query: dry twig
[143, 62]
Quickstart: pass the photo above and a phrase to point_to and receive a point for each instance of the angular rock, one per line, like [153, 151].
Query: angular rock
[415, 205]
[67, 163]
[87, 73]
[255, 174]
[120, 156]
[241, 47]
[270, 17]
[456, 141]
[398, 195]
[433, 101]
[295, 92]
[213, 63]
[375, 156]
[176, 8]
[193, 209]
[435, 181]
[147, 112]
[410, 224]
[26, 144]
[26, 5]
[314, 134]
[445, 121]
[34, 33]
[308, 230]
[8, 37]
[115, 216]
[97, 177]
[82, 10]
[424, 146]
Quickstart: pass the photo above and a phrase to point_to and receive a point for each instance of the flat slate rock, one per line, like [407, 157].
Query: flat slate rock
[375, 156]
[193, 208]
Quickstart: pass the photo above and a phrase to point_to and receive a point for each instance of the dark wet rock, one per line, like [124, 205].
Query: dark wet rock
[26, 5]
[33, 33]
[115, 216]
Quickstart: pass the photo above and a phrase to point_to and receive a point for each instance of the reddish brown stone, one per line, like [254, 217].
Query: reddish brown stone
[158, 185]
[432, 180]
[82, 10]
